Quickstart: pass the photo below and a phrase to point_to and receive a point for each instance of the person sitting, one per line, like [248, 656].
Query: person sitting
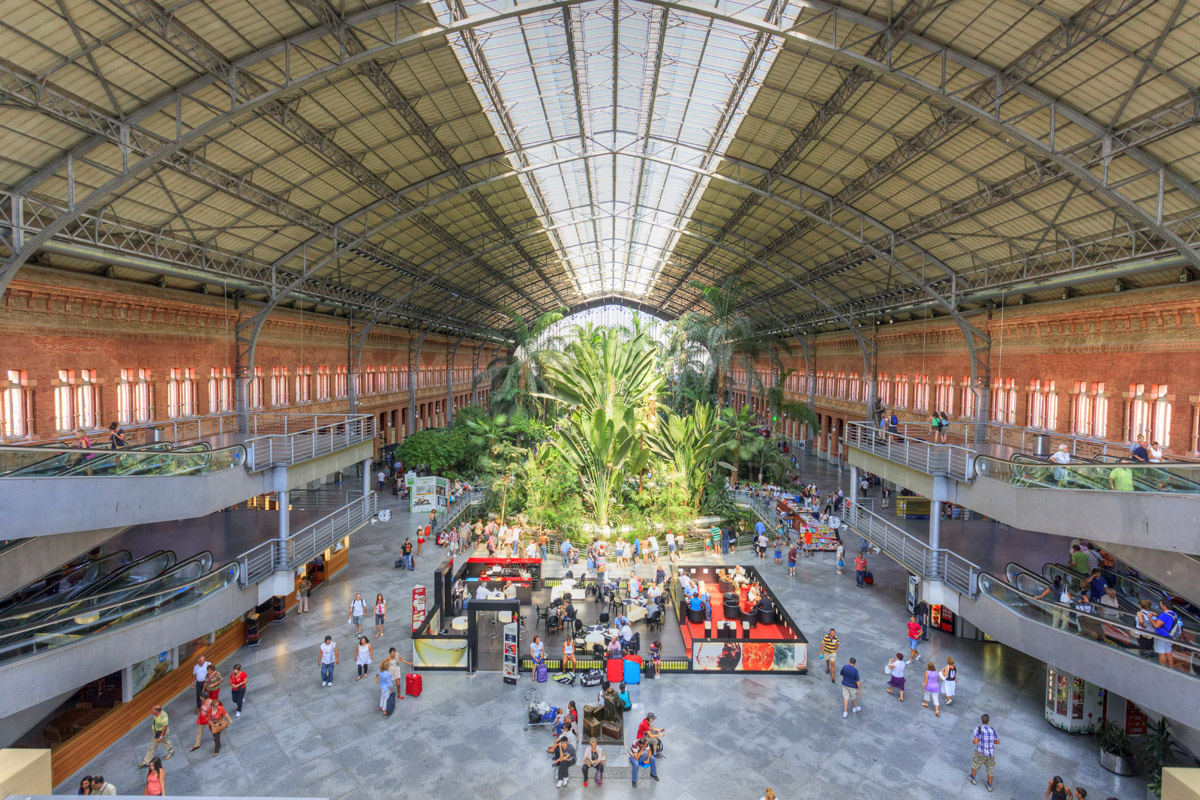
[623, 696]
[696, 602]
[652, 735]
[614, 647]
[654, 592]
[621, 621]
[655, 658]
[568, 654]
[568, 613]
[626, 634]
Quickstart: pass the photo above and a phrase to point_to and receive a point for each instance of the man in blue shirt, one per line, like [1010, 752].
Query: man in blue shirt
[1164, 626]
[759, 527]
[1097, 586]
[566, 553]
[851, 688]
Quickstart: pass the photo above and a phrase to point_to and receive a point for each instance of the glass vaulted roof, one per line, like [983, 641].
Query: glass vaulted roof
[615, 112]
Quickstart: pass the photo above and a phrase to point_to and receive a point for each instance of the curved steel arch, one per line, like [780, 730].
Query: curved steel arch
[274, 89]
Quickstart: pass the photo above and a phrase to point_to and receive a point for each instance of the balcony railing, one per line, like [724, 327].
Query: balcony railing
[303, 545]
[904, 448]
[301, 437]
[915, 555]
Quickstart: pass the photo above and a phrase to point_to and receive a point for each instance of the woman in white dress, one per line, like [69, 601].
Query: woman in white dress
[363, 657]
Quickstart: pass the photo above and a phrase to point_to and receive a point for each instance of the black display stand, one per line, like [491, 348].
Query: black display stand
[252, 629]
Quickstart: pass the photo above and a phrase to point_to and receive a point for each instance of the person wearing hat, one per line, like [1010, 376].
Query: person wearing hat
[652, 735]
[158, 727]
[1061, 456]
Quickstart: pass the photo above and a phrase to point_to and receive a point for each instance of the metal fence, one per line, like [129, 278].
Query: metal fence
[303, 545]
[932, 459]
[308, 437]
[915, 555]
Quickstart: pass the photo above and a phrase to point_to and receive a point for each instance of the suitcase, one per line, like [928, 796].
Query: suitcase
[611, 730]
[412, 684]
[541, 674]
[391, 704]
[592, 677]
[869, 578]
[399, 563]
[614, 670]
[633, 670]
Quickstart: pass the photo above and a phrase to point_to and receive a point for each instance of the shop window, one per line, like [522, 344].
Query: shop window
[220, 390]
[16, 410]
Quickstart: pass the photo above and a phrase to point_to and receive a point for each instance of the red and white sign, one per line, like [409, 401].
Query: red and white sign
[418, 607]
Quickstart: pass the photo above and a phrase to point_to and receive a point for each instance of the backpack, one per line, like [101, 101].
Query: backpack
[893, 420]
[1176, 626]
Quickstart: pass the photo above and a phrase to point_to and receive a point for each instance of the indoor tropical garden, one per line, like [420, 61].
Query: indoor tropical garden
[619, 424]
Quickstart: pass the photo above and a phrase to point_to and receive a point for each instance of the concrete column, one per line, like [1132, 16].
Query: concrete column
[935, 530]
[366, 473]
[126, 684]
[284, 514]
[854, 484]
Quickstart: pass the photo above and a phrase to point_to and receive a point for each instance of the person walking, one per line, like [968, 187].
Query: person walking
[327, 660]
[642, 755]
[363, 657]
[358, 607]
[156, 779]
[159, 724]
[101, 786]
[829, 648]
[949, 676]
[202, 722]
[860, 570]
[380, 615]
[792, 553]
[237, 686]
[406, 555]
[985, 741]
[212, 683]
[841, 554]
[303, 592]
[895, 669]
[851, 688]
[593, 758]
[1057, 790]
[914, 638]
[932, 690]
[218, 721]
[200, 674]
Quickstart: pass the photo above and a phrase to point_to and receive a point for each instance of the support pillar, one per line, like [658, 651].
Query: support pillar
[285, 515]
[126, 684]
[854, 485]
[935, 534]
[366, 476]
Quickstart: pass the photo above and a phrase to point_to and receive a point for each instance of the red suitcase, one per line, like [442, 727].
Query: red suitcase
[614, 670]
[412, 684]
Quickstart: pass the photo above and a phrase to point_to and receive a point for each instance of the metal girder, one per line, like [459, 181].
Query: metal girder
[245, 91]
[903, 22]
[193, 47]
[395, 99]
[991, 114]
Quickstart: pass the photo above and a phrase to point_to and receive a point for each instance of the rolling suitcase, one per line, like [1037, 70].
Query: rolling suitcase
[633, 670]
[541, 674]
[412, 684]
[869, 579]
[391, 704]
[614, 670]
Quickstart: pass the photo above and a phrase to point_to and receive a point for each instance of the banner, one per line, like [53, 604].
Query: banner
[510, 653]
[735, 656]
[429, 492]
[418, 607]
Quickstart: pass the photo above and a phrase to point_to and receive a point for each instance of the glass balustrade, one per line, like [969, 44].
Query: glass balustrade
[156, 461]
[1164, 478]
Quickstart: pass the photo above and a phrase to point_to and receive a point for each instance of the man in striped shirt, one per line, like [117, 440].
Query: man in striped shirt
[829, 648]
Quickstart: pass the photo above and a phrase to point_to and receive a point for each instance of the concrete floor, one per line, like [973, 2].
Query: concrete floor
[728, 736]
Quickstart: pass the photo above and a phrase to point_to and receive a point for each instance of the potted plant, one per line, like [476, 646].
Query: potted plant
[1158, 750]
[1116, 749]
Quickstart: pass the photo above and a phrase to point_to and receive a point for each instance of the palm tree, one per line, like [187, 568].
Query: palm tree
[729, 336]
[740, 437]
[518, 373]
[778, 405]
[691, 446]
[603, 448]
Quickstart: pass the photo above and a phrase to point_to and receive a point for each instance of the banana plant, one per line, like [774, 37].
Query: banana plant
[691, 444]
[603, 448]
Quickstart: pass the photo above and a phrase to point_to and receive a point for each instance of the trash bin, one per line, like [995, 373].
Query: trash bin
[1041, 444]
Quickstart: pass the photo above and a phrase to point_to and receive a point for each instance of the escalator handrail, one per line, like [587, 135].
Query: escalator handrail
[1005, 468]
[232, 569]
[75, 601]
[987, 580]
[1123, 615]
[237, 452]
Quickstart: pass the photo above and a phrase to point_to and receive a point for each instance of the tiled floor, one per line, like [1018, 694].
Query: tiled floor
[728, 736]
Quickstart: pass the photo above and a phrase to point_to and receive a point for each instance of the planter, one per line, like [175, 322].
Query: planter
[1117, 764]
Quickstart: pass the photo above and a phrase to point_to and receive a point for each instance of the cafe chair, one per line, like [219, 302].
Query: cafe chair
[654, 619]
[541, 616]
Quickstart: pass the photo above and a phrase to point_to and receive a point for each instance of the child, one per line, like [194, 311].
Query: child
[895, 668]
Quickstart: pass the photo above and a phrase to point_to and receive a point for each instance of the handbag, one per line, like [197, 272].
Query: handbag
[219, 725]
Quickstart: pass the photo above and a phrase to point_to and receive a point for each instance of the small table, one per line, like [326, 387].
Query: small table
[458, 623]
[594, 638]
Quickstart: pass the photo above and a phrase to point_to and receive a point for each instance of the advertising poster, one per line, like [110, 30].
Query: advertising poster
[730, 656]
[439, 652]
[146, 672]
[510, 653]
[429, 492]
[418, 607]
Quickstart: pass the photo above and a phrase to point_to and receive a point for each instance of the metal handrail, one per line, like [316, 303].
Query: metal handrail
[933, 459]
[284, 554]
[291, 446]
[915, 555]
[94, 616]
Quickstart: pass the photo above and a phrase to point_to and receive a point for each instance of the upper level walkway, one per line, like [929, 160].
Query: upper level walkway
[190, 468]
[1005, 475]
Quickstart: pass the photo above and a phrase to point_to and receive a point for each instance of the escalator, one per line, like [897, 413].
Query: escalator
[71, 460]
[65, 582]
[1106, 650]
[1130, 591]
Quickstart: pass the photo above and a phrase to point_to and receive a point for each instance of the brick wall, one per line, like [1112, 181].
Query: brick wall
[51, 321]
